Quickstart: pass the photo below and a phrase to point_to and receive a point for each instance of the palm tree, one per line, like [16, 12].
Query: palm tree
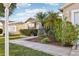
[48, 23]
[41, 17]
[51, 24]
[12, 7]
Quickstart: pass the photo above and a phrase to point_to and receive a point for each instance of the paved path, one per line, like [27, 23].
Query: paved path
[50, 49]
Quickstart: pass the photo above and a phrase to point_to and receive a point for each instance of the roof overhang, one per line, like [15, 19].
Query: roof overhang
[65, 5]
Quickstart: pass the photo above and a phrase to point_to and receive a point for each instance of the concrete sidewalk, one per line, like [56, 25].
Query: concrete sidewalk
[50, 49]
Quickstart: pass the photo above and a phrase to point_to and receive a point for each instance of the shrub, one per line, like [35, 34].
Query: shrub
[65, 35]
[45, 40]
[63, 32]
[77, 27]
[54, 29]
[57, 28]
[50, 34]
[1, 30]
[41, 35]
[34, 32]
[28, 32]
[25, 32]
[69, 34]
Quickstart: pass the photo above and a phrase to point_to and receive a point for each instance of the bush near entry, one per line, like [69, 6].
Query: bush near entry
[29, 32]
[45, 40]
[69, 34]
[62, 32]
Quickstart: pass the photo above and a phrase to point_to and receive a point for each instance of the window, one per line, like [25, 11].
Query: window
[75, 16]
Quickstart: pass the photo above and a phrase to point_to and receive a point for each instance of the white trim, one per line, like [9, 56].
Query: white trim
[72, 15]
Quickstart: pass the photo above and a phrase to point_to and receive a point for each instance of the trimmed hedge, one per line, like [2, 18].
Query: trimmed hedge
[45, 40]
[29, 32]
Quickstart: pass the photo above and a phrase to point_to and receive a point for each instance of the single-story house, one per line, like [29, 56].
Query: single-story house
[2, 25]
[15, 27]
[71, 11]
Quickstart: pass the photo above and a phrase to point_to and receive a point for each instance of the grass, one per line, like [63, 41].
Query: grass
[15, 37]
[2, 46]
[16, 50]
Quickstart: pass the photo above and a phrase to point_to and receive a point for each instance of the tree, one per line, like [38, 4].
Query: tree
[52, 25]
[41, 17]
[12, 7]
[49, 21]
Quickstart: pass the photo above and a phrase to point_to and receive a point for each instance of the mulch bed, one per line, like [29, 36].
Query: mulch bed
[51, 43]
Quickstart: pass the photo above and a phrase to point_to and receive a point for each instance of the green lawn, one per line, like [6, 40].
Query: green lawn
[1, 46]
[14, 37]
[16, 50]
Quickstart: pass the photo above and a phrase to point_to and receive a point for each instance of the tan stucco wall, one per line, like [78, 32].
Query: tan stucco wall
[29, 24]
[19, 27]
[68, 9]
[24, 26]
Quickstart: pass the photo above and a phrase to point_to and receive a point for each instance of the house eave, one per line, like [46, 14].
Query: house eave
[65, 5]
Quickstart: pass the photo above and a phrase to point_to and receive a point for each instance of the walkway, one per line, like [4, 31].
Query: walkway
[50, 49]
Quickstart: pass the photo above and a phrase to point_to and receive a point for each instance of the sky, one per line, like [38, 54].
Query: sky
[23, 11]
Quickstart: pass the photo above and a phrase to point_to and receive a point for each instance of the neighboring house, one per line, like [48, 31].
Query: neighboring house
[71, 11]
[2, 25]
[31, 23]
[14, 28]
